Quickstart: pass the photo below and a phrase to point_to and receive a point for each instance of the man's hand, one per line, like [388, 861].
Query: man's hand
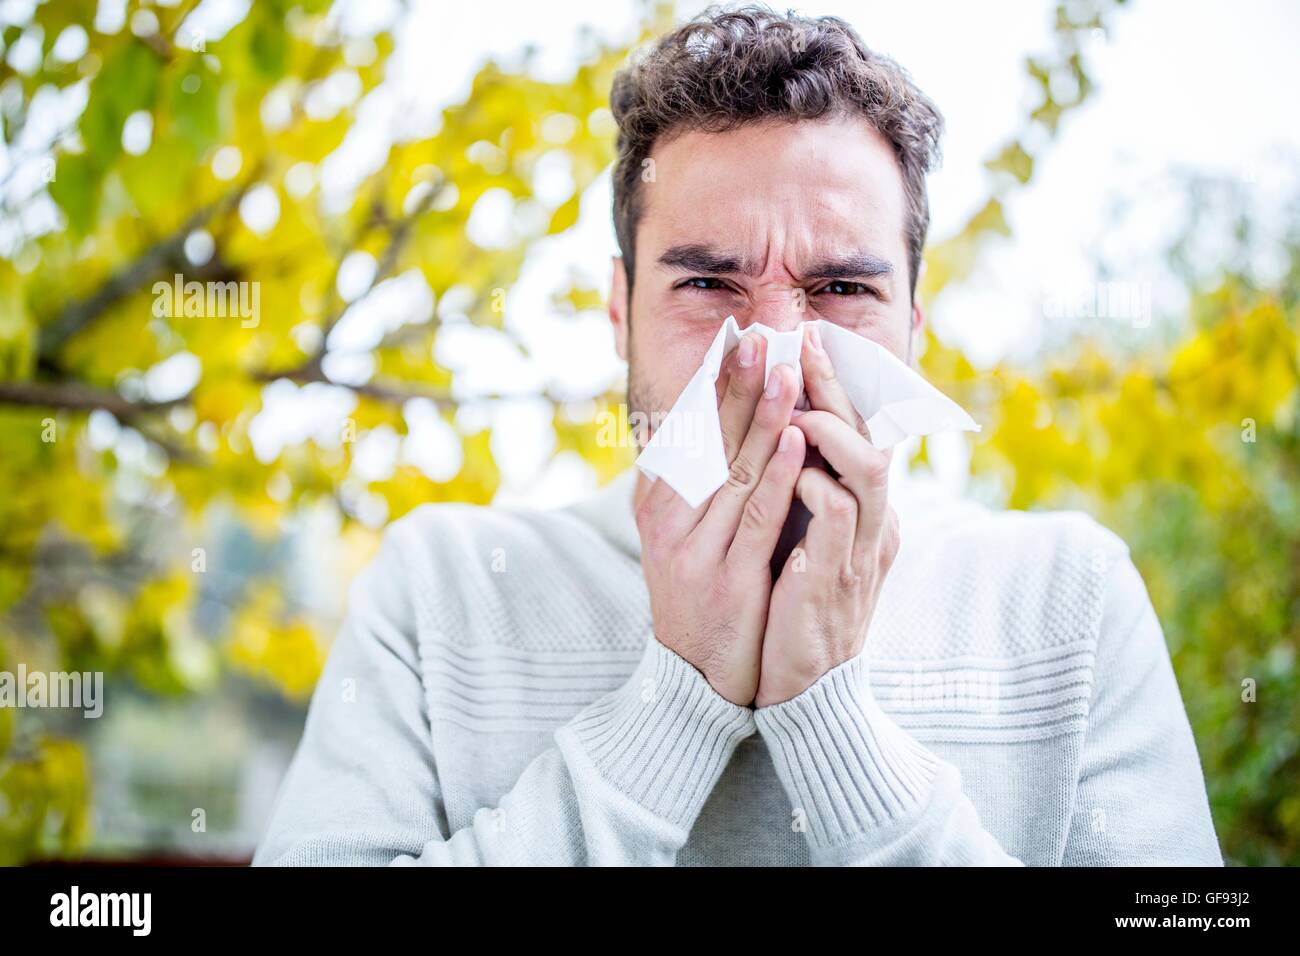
[824, 598]
[707, 568]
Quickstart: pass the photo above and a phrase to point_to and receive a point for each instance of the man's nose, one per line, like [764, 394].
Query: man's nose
[779, 309]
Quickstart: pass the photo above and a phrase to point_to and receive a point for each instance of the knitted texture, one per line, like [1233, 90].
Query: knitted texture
[497, 696]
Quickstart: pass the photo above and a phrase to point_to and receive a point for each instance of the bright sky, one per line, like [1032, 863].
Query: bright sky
[1182, 84]
[1173, 82]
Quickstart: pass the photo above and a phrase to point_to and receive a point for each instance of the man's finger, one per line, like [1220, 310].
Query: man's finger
[743, 387]
[668, 512]
[822, 385]
[724, 376]
[829, 541]
[862, 469]
[764, 513]
[770, 416]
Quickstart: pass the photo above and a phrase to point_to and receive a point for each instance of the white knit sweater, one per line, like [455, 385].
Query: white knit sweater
[497, 696]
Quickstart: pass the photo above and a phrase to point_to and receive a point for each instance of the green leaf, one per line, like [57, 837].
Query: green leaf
[566, 215]
[127, 83]
[196, 115]
[17, 343]
[154, 181]
[76, 188]
[1014, 160]
[269, 46]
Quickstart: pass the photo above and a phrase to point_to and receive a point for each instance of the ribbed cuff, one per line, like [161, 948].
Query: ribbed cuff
[665, 736]
[843, 760]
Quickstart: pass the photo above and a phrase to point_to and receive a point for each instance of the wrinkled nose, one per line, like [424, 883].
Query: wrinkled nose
[780, 309]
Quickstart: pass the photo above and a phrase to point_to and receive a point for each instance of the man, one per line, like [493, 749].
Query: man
[622, 681]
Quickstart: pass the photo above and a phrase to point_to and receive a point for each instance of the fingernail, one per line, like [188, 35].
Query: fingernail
[773, 385]
[815, 337]
[748, 351]
[784, 443]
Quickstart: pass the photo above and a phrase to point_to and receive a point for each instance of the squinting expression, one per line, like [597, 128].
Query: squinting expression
[776, 223]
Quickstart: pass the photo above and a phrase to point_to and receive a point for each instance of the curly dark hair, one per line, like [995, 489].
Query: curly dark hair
[731, 66]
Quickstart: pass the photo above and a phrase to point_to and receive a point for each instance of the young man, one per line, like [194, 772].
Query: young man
[622, 682]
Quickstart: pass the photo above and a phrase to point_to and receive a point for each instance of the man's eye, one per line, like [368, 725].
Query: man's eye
[703, 283]
[842, 287]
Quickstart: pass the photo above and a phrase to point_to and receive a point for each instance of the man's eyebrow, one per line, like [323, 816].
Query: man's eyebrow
[858, 265]
[698, 257]
[706, 259]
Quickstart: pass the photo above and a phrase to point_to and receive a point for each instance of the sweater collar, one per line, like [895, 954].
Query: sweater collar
[610, 511]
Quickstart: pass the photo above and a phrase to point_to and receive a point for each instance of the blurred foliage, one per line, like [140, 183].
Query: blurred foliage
[98, 567]
[1192, 454]
[98, 560]
[1190, 451]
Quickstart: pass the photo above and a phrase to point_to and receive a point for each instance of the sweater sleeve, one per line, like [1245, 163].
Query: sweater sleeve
[869, 792]
[1141, 795]
[874, 795]
[622, 784]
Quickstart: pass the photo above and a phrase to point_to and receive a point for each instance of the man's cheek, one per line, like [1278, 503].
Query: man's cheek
[672, 335]
[670, 364]
[691, 316]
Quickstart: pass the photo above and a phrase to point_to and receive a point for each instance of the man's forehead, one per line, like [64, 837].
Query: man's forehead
[769, 160]
[820, 189]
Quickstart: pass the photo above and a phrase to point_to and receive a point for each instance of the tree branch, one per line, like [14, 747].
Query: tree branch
[387, 263]
[82, 398]
[310, 371]
[78, 315]
[73, 396]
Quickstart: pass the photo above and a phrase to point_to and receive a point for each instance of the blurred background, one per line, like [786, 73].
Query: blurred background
[413, 201]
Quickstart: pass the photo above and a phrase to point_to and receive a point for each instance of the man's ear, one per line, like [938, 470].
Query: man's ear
[618, 306]
[915, 327]
[918, 318]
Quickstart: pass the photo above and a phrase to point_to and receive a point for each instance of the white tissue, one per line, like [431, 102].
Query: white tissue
[686, 450]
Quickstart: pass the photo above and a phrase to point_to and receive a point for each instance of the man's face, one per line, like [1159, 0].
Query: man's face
[775, 223]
